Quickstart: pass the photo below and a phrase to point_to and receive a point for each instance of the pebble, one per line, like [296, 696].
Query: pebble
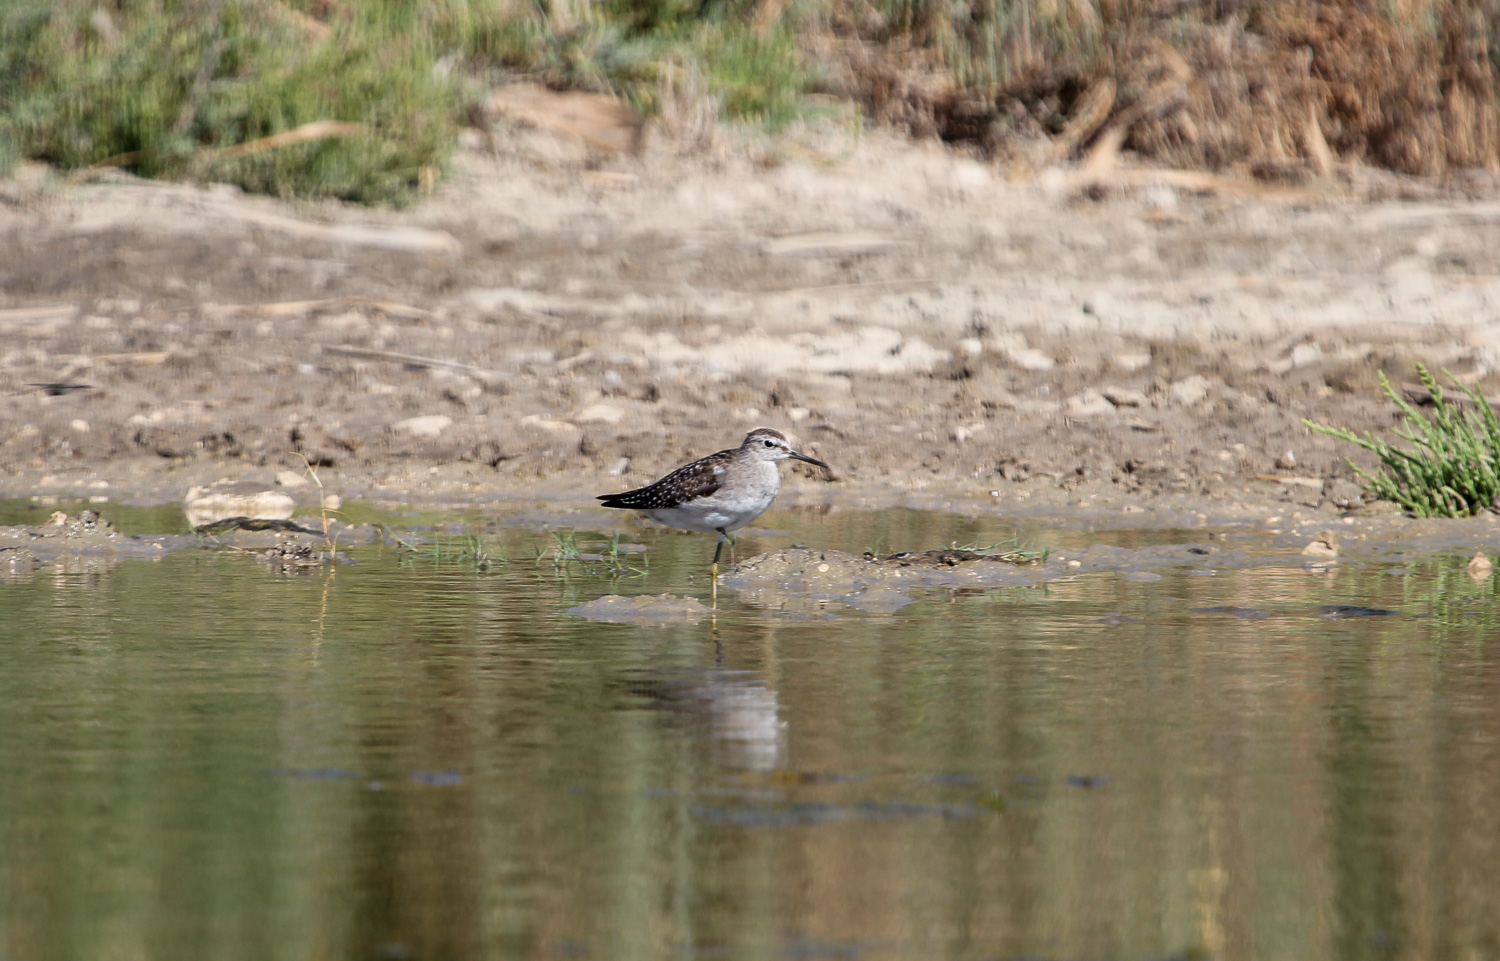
[426, 425]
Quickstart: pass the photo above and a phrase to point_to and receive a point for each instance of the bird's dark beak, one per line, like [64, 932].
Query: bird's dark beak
[809, 460]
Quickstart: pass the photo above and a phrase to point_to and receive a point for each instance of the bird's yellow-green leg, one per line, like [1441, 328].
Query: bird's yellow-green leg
[713, 569]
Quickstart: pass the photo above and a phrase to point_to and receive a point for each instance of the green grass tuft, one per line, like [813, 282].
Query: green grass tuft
[159, 87]
[163, 87]
[1452, 472]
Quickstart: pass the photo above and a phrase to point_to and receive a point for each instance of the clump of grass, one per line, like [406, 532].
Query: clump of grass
[209, 89]
[565, 549]
[163, 86]
[464, 550]
[1452, 471]
[1012, 550]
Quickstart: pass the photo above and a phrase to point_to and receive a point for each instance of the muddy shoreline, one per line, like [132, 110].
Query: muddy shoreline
[553, 324]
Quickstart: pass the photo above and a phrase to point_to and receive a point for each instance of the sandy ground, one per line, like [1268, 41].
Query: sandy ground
[556, 323]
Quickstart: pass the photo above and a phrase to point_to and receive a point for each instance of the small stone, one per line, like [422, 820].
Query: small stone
[427, 425]
[1189, 391]
[1088, 403]
[79, 424]
[351, 320]
[1125, 396]
[1029, 358]
[600, 414]
[961, 433]
[1304, 354]
[550, 425]
[290, 478]
[1480, 566]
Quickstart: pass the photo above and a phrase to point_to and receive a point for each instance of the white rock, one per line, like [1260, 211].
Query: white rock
[600, 414]
[1125, 396]
[1189, 391]
[1029, 358]
[1088, 403]
[1304, 354]
[427, 425]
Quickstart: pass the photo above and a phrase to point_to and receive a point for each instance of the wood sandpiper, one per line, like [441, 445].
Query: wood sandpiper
[718, 493]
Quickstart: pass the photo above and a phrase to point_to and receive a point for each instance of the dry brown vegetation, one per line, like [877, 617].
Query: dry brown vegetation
[1272, 88]
[1280, 90]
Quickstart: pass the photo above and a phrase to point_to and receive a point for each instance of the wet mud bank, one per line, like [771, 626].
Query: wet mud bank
[940, 331]
[88, 541]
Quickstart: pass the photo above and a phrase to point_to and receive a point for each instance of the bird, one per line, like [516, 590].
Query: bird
[719, 493]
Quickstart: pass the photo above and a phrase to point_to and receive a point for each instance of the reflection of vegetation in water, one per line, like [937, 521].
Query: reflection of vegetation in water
[1462, 608]
[1453, 472]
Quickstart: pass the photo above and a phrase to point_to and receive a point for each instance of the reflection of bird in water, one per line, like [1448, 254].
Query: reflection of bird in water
[718, 493]
[52, 389]
[738, 713]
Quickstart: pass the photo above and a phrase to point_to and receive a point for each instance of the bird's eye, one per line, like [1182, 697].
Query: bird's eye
[770, 443]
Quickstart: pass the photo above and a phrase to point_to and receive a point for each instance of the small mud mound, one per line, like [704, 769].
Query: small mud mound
[644, 609]
[82, 542]
[806, 581]
[86, 525]
[877, 585]
[84, 533]
[952, 557]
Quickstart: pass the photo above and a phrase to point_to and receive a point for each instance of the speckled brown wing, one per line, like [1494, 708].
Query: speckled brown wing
[699, 479]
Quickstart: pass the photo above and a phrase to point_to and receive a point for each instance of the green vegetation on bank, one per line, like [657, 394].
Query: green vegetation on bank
[1454, 470]
[203, 88]
[228, 90]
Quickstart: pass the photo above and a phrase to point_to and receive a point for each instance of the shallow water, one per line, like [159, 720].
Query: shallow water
[413, 758]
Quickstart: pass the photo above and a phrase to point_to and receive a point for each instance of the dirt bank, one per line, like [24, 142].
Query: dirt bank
[559, 323]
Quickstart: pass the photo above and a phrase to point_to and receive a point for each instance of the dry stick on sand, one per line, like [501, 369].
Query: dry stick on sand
[294, 308]
[478, 373]
[1093, 109]
[1315, 143]
[308, 132]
